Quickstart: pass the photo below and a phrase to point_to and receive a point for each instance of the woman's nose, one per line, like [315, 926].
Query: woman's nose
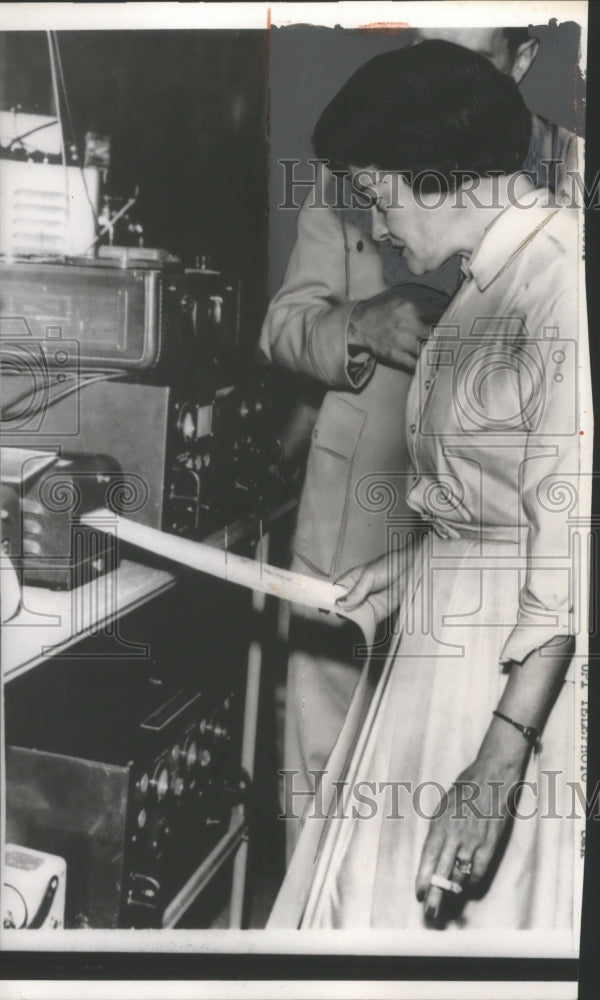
[379, 229]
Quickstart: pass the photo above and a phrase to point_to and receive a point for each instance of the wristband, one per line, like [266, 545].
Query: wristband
[530, 733]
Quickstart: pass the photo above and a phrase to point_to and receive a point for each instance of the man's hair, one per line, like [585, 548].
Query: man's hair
[515, 37]
[433, 107]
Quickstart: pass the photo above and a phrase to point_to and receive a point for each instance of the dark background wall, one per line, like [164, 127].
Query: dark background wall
[186, 114]
[309, 64]
[200, 119]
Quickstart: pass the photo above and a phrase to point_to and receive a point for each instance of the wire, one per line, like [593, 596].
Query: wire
[90, 380]
[56, 92]
[71, 129]
[59, 66]
[38, 128]
[76, 386]
[110, 224]
[36, 390]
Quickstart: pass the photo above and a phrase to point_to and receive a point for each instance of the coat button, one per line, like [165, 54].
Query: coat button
[413, 428]
[428, 384]
[360, 246]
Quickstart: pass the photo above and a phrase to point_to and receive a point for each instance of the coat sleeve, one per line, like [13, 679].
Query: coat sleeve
[306, 325]
[550, 481]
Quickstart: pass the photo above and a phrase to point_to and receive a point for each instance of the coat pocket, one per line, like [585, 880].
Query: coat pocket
[323, 506]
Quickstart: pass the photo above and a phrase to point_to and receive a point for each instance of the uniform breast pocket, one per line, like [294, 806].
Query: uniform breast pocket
[324, 503]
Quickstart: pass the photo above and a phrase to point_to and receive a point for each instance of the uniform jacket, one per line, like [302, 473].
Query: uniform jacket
[360, 428]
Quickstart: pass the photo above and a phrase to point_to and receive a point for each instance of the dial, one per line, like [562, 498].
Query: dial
[191, 752]
[186, 422]
[160, 780]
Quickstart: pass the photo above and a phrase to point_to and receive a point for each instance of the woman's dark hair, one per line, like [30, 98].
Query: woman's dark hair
[433, 107]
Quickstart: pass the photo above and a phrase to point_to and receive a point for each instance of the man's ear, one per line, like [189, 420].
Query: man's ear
[524, 57]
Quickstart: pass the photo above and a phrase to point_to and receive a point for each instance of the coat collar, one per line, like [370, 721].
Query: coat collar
[508, 235]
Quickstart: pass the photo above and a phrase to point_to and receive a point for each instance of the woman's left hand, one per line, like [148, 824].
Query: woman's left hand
[464, 836]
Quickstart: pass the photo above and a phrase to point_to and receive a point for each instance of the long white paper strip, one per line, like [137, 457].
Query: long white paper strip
[257, 576]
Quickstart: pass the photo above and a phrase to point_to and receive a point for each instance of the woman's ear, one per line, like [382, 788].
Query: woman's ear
[524, 57]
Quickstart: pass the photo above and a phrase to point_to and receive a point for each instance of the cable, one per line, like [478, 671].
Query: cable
[43, 387]
[76, 386]
[106, 377]
[59, 66]
[110, 224]
[24, 135]
[56, 93]
[71, 129]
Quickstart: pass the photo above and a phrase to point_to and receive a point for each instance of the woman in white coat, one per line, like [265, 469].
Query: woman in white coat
[476, 696]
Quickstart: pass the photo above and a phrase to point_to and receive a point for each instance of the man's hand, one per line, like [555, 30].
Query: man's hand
[391, 328]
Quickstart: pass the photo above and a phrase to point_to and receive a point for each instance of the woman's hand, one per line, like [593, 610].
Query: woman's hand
[471, 821]
[372, 578]
[480, 805]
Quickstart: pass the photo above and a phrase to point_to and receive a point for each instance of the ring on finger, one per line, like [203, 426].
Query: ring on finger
[446, 884]
[464, 866]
